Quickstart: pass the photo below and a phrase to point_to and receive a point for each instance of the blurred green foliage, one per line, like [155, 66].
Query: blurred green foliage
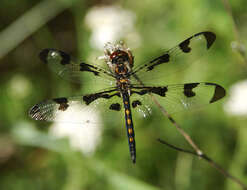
[30, 158]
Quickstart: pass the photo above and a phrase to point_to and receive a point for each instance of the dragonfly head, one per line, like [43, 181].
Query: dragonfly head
[118, 56]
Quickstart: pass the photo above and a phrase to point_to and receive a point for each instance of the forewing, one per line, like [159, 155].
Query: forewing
[67, 109]
[189, 50]
[180, 97]
[61, 63]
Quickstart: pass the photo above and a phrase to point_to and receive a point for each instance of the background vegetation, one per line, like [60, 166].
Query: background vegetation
[32, 158]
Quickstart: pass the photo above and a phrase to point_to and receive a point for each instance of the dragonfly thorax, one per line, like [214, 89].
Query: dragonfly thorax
[123, 84]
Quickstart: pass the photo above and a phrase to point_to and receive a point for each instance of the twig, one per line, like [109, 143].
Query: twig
[197, 152]
[186, 136]
[209, 160]
[166, 114]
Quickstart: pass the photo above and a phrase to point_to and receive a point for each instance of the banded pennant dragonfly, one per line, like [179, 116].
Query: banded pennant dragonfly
[128, 82]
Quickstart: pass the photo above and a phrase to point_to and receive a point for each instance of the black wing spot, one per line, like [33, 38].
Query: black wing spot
[65, 58]
[219, 92]
[184, 46]
[60, 100]
[45, 53]
[188, 89]
[156, 90]
[91, 97]
[136, 103]
[63, 103]
[159, 60]
[210, 37]
[159, 90]
[87, 67]
[115, 107]
[142, 92]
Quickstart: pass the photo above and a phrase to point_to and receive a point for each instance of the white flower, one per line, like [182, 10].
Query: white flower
[109, 24]
[81, 126]
[237, 103]
[19, 87]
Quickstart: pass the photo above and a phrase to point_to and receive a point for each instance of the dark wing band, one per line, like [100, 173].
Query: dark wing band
[61, 63]
[180, 97]
[187, 51]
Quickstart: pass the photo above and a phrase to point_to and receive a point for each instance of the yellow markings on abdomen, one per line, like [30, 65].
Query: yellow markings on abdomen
[131, 139]
[129, 121]
[127, 112]
[130, 131]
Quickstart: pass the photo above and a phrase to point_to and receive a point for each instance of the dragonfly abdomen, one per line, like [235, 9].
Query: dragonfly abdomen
[129, 126]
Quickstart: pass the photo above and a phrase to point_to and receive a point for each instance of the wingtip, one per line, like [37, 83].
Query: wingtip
[43, 55]
[33, 112]
[209, 36]
[219, 92]
[54, 54]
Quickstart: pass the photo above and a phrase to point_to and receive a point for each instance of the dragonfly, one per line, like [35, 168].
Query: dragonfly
[129, 82]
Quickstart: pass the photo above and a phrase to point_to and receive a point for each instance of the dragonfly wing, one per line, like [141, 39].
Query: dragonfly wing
[180, 97]
[66, 109]
[187, 51]
[61, 63]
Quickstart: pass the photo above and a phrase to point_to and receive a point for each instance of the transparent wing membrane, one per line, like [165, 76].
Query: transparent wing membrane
[61, 63]
[78, 109]
[180, 97]
[177, 58]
